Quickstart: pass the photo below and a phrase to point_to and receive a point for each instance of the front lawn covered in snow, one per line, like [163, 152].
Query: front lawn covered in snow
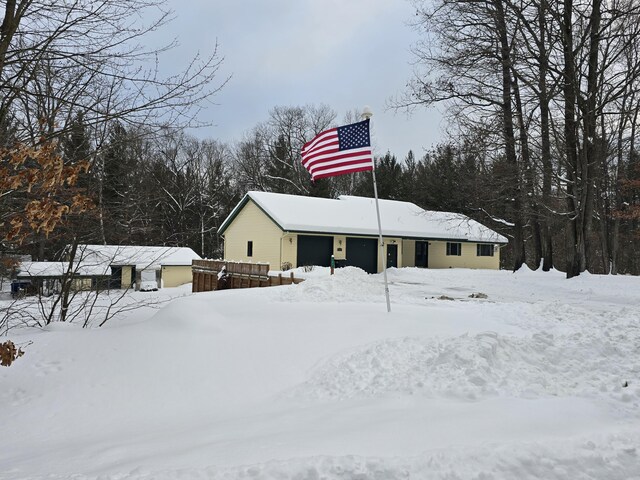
[540, 379]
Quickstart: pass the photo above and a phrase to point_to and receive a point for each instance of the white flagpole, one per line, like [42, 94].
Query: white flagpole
[366, 114]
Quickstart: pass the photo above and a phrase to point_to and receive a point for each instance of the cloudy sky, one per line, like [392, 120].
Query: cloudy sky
[342, 53]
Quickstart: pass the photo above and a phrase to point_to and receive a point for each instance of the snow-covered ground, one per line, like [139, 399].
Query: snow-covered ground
[541, 379]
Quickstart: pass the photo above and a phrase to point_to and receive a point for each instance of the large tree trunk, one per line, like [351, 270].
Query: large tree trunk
[604, 212]
[509, 138]
[591, 151]
[574, 241]
[530, 196]
[547, 168]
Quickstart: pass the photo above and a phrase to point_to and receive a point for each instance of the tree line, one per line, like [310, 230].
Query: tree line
[542, 99]
[165, 187]
[551, 91]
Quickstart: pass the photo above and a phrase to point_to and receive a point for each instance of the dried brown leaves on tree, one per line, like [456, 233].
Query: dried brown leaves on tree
[630, 210]
[9, 353]
[39, 175]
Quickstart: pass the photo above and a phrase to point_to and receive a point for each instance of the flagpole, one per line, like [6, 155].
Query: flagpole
[366, 114]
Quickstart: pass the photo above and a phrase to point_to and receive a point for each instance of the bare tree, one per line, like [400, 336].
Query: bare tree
[472, 71]
[89, 55]
[269, 158]
[559, 82]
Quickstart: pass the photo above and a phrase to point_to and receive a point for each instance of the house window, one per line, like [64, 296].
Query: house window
[454, 249]
[250, 248]
[484, 250]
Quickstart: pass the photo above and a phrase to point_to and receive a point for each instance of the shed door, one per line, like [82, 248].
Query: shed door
[115, 282]
[314, 250]
[363, 253]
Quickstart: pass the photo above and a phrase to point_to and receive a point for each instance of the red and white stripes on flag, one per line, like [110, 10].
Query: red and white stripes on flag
[341, 150]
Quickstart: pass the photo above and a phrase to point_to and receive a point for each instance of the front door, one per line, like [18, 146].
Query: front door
[392, 255]
[422, 254]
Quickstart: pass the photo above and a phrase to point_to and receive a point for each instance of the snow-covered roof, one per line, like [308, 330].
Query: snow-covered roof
[141, 256]
[58, 269]
[357, 216]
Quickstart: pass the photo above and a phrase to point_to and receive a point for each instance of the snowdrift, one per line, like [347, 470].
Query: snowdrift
[540, 379]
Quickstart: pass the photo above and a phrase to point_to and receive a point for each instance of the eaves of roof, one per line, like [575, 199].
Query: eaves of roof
[238, 208]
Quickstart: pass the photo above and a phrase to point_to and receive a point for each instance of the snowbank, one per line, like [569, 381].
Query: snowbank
[540, 379]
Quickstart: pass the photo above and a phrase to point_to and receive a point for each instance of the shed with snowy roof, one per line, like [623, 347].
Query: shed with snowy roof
[130, 265]
[45, 278]
[289, 230]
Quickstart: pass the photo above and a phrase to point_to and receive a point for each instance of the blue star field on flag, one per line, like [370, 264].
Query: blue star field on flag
[355, 135]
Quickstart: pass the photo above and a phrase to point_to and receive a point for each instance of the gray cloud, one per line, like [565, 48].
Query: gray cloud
[343, 53]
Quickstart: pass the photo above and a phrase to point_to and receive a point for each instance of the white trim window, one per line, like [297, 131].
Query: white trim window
[484, 250]
[454, 249]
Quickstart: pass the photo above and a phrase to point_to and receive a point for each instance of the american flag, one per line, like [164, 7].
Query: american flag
[345, 149]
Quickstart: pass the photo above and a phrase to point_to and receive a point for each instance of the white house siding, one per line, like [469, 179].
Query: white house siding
[252, 224]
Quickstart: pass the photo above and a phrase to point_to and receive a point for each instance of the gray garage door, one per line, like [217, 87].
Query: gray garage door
[314, 250]
[363, 253]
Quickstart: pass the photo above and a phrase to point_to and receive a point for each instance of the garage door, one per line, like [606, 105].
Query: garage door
[314, 250]
[363, 253]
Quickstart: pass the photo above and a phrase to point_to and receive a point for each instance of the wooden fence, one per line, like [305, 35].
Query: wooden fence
[236, 275]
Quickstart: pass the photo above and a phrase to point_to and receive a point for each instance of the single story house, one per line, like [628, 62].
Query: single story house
[130, 265]
[45, 278]
[291, 231]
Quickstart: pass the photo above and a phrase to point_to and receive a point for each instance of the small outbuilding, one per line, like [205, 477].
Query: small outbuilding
[130, 265]
[45, 278]
[291, 231]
